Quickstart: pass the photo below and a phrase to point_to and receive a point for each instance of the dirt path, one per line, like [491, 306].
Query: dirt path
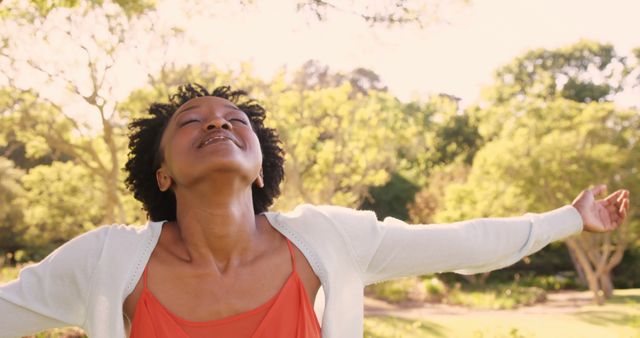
[564, 302]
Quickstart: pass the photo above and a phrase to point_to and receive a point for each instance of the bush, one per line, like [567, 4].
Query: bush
[561, 281]
[627, 274]
[9, 273]
[499, 297]
[398, 290]
[435, 289]
[409, 289]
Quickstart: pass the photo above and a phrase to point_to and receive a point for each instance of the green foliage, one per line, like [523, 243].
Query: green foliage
[409, 289]
[586, 71]
[435, 289]
[337, 143]
[9, 273]
[430, 198]
[391, 199]
[437, 141]
[12, 227]
[497, 297]
[398, 290]
[627, 274]
[543, 156]
[548, 283]
[525, 292]
[63, 201]
[437, 133]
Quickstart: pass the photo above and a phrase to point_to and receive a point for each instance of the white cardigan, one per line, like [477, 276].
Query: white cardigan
[85, 282]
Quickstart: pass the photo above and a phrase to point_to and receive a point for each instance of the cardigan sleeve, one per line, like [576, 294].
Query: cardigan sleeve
[391, 248]
[53, 292]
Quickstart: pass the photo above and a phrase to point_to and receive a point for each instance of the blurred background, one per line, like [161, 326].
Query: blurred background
[428, 111]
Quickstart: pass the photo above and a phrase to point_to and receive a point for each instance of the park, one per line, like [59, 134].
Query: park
[550, 118]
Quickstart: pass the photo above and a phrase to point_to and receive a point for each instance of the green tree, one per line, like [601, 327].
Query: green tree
[98, 37]
[315, 75]
[64, 201]
[437, 133]
[12, 226]
[392, 198]
[551, 87]
[338, 141]
[542, 159]
[586, 71]
[430, 199]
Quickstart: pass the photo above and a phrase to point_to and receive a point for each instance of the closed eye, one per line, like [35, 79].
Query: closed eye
[187, 122]
[240, 120]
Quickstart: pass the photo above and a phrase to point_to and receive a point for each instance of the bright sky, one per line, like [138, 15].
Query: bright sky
[455, 57]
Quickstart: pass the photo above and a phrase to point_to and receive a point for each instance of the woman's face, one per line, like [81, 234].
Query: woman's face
[208, 136]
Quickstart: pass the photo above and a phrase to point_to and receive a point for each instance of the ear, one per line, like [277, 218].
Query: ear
[259, 180]
[163, 179]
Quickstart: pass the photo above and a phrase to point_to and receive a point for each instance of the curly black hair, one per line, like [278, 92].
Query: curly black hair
[145, 156]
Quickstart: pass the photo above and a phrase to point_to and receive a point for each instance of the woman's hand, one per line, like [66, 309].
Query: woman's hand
[603, 215]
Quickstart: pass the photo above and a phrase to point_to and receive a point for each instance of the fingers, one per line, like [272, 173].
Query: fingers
[616, 196]
[598, 189]
[624, 208]
[618, 204]
[623, 195]
[615, 206]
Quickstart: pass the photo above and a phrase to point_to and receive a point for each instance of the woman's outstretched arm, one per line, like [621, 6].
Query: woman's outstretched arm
[391, 248]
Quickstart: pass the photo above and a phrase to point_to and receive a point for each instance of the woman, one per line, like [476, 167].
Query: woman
[212, 262]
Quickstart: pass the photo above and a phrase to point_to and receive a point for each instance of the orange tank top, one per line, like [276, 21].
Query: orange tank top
[287, 314]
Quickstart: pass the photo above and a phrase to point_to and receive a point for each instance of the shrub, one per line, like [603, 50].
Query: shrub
[398, 290]
[499, 297]
[561, 281]
[9, 273]
[435, 289]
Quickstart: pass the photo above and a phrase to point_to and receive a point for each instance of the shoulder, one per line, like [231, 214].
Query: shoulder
[84, 251]
[343, 238]
[329, 225]
[327, 214]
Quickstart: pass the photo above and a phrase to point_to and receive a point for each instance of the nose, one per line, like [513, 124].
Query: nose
[218, 122]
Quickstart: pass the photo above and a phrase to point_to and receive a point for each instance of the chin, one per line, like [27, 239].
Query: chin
[226, 168]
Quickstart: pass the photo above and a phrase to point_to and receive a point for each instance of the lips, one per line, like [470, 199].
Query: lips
[217, 137]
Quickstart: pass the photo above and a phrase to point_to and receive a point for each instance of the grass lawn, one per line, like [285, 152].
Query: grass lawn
[620, 317]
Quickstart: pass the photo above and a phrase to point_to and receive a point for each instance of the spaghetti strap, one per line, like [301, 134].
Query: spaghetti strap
[144, 276]
[293, 256]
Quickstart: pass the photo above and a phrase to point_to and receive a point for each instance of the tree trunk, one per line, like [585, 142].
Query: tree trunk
[606, 284]
[582, 279]
[477, 279]
[595, 256]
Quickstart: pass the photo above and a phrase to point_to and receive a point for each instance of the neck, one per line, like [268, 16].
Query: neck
[217, 224]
